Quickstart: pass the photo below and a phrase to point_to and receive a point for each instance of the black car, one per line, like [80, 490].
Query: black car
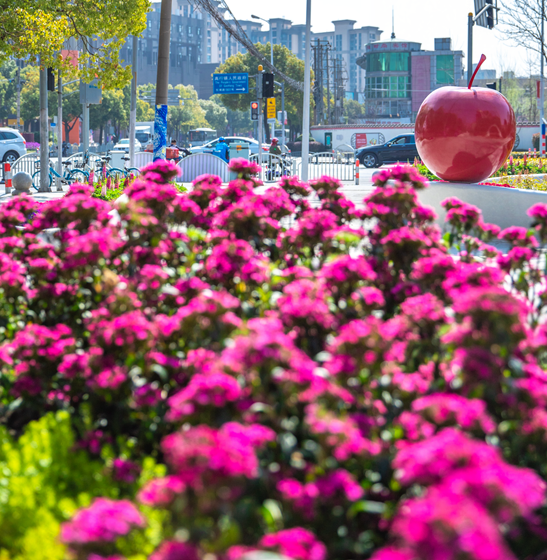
[401, 148]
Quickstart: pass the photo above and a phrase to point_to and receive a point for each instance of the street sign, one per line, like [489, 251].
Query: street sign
[270, 108]
[90, 94]
[231, 83]
[173, 97]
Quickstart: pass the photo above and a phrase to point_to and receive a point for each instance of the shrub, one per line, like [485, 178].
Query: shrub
[325, 382]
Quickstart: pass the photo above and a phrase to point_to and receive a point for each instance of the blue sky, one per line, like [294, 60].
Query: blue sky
[415, 20]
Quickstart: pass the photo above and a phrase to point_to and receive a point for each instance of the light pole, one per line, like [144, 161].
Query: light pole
[271, 36]
[306, 108]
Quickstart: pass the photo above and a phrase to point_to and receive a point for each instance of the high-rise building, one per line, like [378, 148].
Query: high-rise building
[400, 75]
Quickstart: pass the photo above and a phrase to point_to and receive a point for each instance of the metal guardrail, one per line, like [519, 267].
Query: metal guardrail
[328, 163]
[143, 158]
[198, 164]
[274, 166]
[25, 164]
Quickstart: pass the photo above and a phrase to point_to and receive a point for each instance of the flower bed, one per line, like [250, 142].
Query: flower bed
[198, 380]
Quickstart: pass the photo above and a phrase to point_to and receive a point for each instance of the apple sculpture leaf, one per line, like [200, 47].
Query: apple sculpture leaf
[465, 134]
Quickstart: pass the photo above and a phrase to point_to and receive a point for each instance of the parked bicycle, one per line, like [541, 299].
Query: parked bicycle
[68, 177]
[115, 173]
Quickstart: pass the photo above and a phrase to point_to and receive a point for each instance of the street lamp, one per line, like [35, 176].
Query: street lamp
[271, 36]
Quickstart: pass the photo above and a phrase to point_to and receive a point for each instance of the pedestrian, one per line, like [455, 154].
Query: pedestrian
[221, 150]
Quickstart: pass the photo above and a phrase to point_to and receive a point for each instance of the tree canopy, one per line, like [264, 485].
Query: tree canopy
[39, 29]
[215, 114]
[286, 61]
[188, 115]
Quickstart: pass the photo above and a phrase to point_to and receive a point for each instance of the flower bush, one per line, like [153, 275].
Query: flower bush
[320, 380]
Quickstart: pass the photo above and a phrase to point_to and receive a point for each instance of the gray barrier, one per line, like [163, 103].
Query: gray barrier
[330, 164]
[199, 164]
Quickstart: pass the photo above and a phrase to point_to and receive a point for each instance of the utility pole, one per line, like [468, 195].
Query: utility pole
[44, 141]
[162, 81]
[59, 130]
[328, 88]
[306, 108]
[541, 84]
[133, 107]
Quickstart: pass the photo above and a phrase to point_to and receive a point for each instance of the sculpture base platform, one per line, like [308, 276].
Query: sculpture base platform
[502, 206]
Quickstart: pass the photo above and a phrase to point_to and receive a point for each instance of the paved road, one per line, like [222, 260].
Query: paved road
[355, 193]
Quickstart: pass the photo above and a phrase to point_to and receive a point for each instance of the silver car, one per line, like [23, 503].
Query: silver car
[12, 145]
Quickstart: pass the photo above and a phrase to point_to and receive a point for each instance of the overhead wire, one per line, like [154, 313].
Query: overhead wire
[239, 34]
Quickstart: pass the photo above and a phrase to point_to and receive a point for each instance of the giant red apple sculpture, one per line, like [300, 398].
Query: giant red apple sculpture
[465, 134]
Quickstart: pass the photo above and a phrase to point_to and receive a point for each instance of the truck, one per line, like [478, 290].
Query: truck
[144, 132]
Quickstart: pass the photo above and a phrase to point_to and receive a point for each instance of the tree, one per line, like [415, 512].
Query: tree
[110, 109]
[286, 61]
[188, 116]
[521, 23]
[215, 114]
[145, 113]
[39, 29]
[238, 122]
[7, 89]
[353, 110]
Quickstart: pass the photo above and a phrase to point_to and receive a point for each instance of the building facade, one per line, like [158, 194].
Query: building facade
[199, 44]
[400, 75]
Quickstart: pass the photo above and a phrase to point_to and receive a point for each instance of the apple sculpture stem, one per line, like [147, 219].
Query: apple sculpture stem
[483, 58]
[465, 134]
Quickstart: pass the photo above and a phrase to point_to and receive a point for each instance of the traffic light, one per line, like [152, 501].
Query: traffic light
[254, 110]
[267, 85]
[490, 15]
[492, 85]
[50, 80]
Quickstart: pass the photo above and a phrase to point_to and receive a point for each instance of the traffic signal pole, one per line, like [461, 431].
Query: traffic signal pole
[541, 85]
[259, 77]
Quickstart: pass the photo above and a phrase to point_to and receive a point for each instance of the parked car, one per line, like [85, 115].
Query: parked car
[124, 145]
[209, 147]
[401, 148]
[12, 145]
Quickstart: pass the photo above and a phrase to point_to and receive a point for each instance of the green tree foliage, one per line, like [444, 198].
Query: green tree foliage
[183, 118]
[112, 108]
[286, 61]
[40, 28]
[215, 114]
[353, 110]
[7, 89]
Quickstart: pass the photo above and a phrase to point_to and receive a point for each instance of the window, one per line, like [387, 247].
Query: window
[388, 86]
[353, 42]
[372, 37]
[189, 31]
[208, 32]
[388, 62]
[198, 30]
[338, 42]
[445, 69]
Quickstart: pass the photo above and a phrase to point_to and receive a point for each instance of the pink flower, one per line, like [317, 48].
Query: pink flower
[296, 543]
[103, 521]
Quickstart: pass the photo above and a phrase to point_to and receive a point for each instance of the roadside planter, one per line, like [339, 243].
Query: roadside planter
[503, 206]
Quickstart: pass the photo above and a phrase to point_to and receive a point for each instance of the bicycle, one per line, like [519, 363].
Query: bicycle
[116, 173]
[68, 177]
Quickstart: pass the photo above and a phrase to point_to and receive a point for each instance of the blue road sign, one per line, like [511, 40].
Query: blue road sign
[231, 83]
[543, 129]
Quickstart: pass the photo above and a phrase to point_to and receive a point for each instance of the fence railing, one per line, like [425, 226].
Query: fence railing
[25, 164]
[328, 163]
[198, 164]
[274, 167]
[143, 158]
